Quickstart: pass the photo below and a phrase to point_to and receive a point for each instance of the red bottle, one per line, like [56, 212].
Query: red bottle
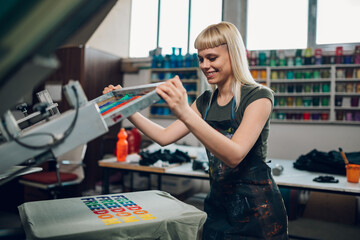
[134, 139]
[122, 146]
[137, 136]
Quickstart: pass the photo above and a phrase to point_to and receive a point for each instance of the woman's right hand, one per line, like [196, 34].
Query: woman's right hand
[111, 88]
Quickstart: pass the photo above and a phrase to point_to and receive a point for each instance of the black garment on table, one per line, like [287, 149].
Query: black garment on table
[164, 155]
[326, 162]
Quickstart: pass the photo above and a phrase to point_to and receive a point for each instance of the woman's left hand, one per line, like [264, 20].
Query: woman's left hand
[174, 93]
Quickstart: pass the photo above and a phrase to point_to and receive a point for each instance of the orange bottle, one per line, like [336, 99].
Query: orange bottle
[122, 146]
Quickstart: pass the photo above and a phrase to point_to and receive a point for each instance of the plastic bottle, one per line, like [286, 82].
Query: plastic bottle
[180, 58]
[173, 58]
[308, 56]
[122, 146]
[282, 59]
[154, 61]
[137, 141]
[134, 140]
[298, 57]
[262, 59]
[273, 58]
[195, 60]
[188, 60]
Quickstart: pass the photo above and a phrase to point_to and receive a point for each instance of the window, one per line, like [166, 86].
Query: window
[202, 17]
[143, 31]
[277, 24]
[336, 21]
[298, 24]
[173, 28]
[173, 25]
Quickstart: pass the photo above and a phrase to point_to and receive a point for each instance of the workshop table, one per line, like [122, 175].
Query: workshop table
[289, 178]
[137, 215]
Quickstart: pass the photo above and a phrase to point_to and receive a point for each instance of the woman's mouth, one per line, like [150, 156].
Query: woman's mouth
[210, 74]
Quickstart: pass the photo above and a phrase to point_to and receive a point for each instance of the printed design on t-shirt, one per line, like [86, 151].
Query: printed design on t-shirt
[116, 209]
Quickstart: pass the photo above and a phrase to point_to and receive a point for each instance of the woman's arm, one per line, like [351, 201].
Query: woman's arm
[162, 136]
[230, 151]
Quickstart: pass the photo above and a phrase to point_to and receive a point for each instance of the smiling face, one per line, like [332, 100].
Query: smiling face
[216, 65]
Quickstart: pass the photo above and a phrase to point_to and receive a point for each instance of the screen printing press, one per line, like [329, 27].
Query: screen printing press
[61, 133]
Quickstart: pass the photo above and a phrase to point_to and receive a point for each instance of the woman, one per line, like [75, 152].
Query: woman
[232, 122]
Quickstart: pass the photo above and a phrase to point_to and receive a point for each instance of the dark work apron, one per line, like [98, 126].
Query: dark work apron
[243, 202]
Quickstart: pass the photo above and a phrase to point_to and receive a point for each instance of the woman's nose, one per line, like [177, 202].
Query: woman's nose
[205, 64]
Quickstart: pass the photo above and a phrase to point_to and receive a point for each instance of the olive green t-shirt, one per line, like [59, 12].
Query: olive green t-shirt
[249, 94]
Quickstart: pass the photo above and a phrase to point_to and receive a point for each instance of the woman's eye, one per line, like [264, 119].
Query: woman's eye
[201, 60]
[212, 59]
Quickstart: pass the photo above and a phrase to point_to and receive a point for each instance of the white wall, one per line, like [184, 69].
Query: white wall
[113, 34]
[289, 141]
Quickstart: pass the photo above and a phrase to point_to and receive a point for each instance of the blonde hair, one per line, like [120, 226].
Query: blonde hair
[226, 33]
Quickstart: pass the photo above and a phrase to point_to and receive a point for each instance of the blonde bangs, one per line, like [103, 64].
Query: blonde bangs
[210, 37]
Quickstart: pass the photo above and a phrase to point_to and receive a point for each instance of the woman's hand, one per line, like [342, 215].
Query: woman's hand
[111, 88]
[174, 93]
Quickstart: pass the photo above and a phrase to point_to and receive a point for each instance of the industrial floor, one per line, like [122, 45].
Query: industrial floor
[301, 228]
[305, 228]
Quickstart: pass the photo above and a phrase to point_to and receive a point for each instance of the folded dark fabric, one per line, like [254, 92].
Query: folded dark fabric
[326, 162]
[165, 155]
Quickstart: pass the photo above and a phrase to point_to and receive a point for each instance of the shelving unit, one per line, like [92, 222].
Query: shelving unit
[313, 93]
[190, 78]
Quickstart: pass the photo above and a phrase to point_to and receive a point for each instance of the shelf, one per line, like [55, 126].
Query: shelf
[324, 76]
[260, 80]
[347, 80]
[190, 81]
[347, 122]
[302, 67]
[347, 108]
[303, 80]
[303, 108]
[301, 121]
[190, 69]
[346, 65]
[346, 94]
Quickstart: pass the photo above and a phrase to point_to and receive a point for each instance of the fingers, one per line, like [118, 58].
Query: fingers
[174, 84]
[111, 88]
[167, 88]
[172, 91]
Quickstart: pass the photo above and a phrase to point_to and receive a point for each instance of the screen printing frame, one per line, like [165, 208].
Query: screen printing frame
[145, 95]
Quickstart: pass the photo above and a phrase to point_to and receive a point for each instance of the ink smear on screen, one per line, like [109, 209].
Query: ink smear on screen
[112, 104]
